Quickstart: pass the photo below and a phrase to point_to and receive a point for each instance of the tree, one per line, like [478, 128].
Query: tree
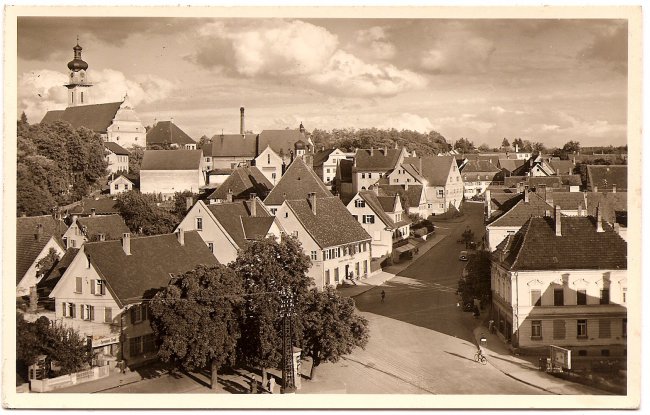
[468, 236]
[483, 148]
[517, 143]
[45, 264]
[267, 266]
[505, 144]
[196, 319]
[142, 215]
[571, 147]
[135, 159]
[332, 328]
[180, 203]
[527, 146]
[538, 147]
[464, 145]
[203, 141]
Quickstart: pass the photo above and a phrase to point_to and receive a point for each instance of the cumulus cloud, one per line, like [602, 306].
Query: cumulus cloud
[374, 41]
[43, 90]
[301, 53]
[408, 121]
[457, 52]
[610, 47]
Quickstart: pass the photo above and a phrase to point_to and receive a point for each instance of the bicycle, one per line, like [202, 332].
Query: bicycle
[479, 357]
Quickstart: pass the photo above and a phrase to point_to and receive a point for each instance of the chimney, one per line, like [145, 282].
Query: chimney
[385, 150]
[101, 237]
[526, 198]
[420, 164]
[541, 190]
[241, 121]
[372, 151]
[39, 231]
[547, 213]
[613, 188]
[617, 228]
[599, 218]
[253, 205]
[181, 236]
[558, 220]
[516, 148]
[488, 203]
[229, 196]
[375, 188]
[312, 202]
[406, 186]
[302, 127]
[126, 243]
[88, 262]
[580, 209]
[33, 299]
[92, 212]
[595, 189]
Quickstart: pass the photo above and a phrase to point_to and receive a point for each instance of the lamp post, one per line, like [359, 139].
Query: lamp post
[287, 312]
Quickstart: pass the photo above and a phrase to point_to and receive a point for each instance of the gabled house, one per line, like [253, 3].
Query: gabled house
[226, 227]
[169, 171]
[326, 164]
[218, 176]
[477, 176]
[241, 183]
[270, 164]
[372, 164]
[343, 185]
[36, 236]
[166, 134]
[94, 228]
[511, 221]
[228, 151]
[562, 281]
[120, 184]
[337, 244]
[94, 205]
[104, 291]
[443, 182]
[288, 144]
[117, 158]
[49, 280]
[405, 173]
[413, 195]
[383, 217]
[561, 166]
[606, 178]
[510, 166]
[297, 182]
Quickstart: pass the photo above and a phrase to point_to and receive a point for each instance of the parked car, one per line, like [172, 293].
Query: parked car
[463, 256]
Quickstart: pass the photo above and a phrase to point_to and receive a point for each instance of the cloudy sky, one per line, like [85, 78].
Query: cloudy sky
[541, 80]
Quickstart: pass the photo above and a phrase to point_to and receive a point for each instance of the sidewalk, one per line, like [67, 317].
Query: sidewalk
[380, 277]
[116, 379]
[525, 368]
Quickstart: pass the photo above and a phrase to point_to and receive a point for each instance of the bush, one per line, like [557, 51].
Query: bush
[420, 232]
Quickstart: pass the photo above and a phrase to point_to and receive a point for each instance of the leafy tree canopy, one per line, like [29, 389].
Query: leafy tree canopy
[142, 215]
[464, 145]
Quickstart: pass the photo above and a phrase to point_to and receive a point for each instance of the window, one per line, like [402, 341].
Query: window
[98, 287]
[273, 176]
[274, 210]
[624, 296]
[117, 186]
[581, 297]
[327, 277]
[582, 353]
[313, 255]
[558, 296]
[370, 175]
[582, 329]
[294, 233]
[268, 159]
[356, 217]
[365, 267]
[336, 275]
[135, 346]
[211, 247]
[69, 310]
[363, 175]
[624, 334]
[199, 224]
[87, 312]
[286, 215]
[78, 285]
[441, 192]
[360, 203]
[139, 313]
[535, 298]
[108, 315]
[604, 329]
[604, 352]
[536, 329]
[559, 329]
[368, 218]
[604, 296]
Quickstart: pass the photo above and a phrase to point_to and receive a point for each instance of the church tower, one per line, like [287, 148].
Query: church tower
[78, 81]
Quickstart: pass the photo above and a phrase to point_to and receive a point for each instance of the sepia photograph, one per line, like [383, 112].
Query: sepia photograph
[385, 207]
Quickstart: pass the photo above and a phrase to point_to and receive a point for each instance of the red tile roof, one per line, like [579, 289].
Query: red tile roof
[435, 169]
[480, 166]
[232, 145]
[232, 215]
[166, 132]
[562, 166]
[604, 177]
[116, 148]
[112, 226]
[148, 268]
[375, 203]
[52, 278]
[522, 211]
[102, 206]
[322, 156]
[280, 141]
[536, 247]
[29, 243]
[171, 160]
[412, 195]
[97, 117]
[332, 225]
[242, 182]
[297, 182]
[380, 160]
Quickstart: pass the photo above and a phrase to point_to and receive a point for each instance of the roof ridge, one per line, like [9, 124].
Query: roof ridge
[521, 245]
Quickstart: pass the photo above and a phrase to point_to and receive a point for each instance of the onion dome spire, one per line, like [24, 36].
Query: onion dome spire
[77, 63]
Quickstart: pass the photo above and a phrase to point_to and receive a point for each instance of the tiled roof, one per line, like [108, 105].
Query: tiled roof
[571, 179]
[333, 225]
[375, 203]
[257, 227]
[480, 166]
[413, 171]
[380, 160]
[28, 245]
[297, 182]
[606, 176]
[412, 194]
[549, 181]
[611, 204]
[171, 160]
[232, 145]
[280, 141]
[230, 216]
[510, 164]
[166, 132]
[503, 202]
[569, 200]
[345, 170]
[112, 226]
[102, 206]
[242, 182]
[322, 156]
[434, 169]
[522, 211]
[55, 274]
[536, 247]
[97, 117]
[148, 268]
[116, 148]
[561, 166]
[51, 116]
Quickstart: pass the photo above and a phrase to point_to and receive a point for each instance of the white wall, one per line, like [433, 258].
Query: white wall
[270, 164]
[169, 182]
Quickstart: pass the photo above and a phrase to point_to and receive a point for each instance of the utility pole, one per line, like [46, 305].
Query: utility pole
[287, 312]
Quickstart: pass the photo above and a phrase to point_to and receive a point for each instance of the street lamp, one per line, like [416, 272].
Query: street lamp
[286, 312]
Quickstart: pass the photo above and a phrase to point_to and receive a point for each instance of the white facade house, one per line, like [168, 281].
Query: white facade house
[326, 163]
[117, 158]
[270, 164]
[166, 172]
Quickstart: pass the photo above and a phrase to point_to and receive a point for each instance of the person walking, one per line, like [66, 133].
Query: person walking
[383, 295]
[271, 384]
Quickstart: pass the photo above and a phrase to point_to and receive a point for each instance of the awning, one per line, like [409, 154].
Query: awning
[405, 248]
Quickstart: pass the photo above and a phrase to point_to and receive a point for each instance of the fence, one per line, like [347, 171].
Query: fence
[47, 385]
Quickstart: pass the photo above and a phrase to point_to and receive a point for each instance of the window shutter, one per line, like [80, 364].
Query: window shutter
[102, 288]
[64, 306]
[604, 329]
[92, 286]
[133, 317]
[92, 313]
[559, 330]
[78, 286]
[145, 312]
[108, 315]
[74, 310]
